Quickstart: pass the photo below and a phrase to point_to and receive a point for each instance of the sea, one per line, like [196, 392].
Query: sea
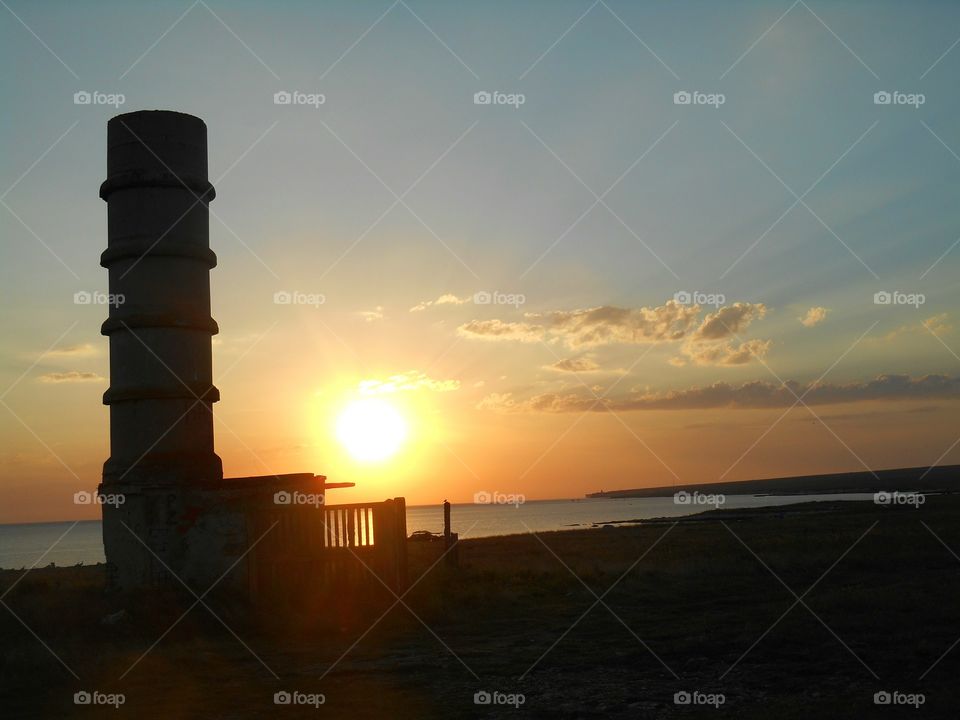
[72, 543]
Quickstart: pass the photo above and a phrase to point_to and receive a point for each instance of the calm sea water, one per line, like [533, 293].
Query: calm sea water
[68, 543]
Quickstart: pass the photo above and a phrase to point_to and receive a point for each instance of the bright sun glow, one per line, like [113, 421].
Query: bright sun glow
[371, 429]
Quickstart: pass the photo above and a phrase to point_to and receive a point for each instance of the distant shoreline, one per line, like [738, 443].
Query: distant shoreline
[936, 479]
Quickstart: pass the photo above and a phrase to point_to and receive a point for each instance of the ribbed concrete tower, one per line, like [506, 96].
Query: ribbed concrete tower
[161, 391]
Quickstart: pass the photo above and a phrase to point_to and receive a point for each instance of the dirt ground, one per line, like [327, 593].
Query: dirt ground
[806, 611]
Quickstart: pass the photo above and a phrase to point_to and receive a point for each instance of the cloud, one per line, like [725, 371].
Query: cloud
[445, 299]
[574, 365]
[938, 324]
[72, 376]
[73, 351]
[405, 382]
[723, 354]
[500, 330]
[747, 396]
[592, 327]
[706, 342]
[715, 341]
[371, 315]
[813, 317]
[729, 321]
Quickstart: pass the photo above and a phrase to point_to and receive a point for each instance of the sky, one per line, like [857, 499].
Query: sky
[652, 258]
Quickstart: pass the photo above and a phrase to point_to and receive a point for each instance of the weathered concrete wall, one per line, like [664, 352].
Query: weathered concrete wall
[199, 534]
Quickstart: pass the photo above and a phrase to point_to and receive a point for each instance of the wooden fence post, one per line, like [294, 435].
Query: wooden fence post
[452, 556]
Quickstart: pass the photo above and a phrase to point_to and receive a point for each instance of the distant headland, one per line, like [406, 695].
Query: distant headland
[944, 478]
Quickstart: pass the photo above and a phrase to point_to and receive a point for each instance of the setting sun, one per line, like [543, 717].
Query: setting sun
[371, 429]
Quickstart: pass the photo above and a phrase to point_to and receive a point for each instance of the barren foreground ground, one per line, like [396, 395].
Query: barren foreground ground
[796, 613]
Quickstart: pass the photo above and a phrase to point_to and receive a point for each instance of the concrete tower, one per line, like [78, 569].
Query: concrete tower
[169, 517]
[161, 391]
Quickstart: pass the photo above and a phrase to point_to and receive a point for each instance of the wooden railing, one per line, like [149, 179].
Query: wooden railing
[349, 526]
[330, 547]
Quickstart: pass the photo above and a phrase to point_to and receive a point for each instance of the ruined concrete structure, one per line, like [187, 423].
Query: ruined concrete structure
[181, 521]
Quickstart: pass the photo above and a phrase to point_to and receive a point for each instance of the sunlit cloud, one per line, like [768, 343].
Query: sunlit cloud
[707, 342]
[603, 325]
[722, 354]
[574, 365]
[445, 299]
[406, 382]
[716, 341]
[938, 325]
[750, 395]
[371, 315]
[729, 320]
[607, 325]
[813, 317]
[71, 376]
[74, 351]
